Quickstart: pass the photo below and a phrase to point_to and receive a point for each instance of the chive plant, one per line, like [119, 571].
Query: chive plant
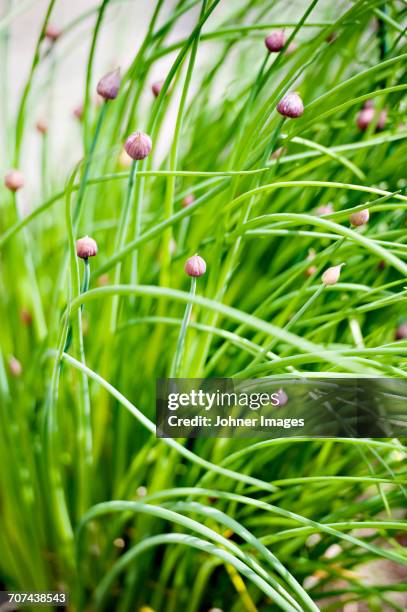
[277, 166]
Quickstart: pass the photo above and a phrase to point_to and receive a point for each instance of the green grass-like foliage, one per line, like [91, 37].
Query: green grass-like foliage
[91, 501]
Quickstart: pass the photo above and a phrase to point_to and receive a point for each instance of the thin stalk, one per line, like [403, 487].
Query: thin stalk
[290, 324]
[121, 239]
[44, 165]
[85, 458]
[21, 114]
[5, 45]
[39, 317]
[88, 162]
[89, 68]
[179, 351]
[170, 191]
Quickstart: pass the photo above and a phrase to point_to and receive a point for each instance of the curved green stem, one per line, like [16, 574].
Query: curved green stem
[176, 366]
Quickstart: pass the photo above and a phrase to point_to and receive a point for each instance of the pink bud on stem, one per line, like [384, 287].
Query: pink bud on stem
[401, 331]
[86, 247]
[42, 126]
[291, 105]
[15, 367]
[109, 85]
[367, 115]
[52, 32]
[14, 180]
[324, 209]
[195, 266]
[282, 397]
[157, 87]
[361, 217]
[188, 200]
[331, 275]
[78, 112]
[275, 41]
[138, 145]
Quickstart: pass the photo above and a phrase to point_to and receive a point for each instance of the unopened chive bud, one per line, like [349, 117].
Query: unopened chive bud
[86, 247]
[195, 266]
[291, 105]
[401, 332]
[52, 32]
[364, 118]
[324, 209]
[312, 269]
[311, 254]
[14, 367]
[26, 316]
[157, 87]
[367, 115]
[282, 397]
[42, 126]
[275, 41]
[138, 145]
[188, 200]
[359, 218]
[331, 275]
[14, 180]
[109, 85]
[278, 153]
[78, 112]
[332, 551]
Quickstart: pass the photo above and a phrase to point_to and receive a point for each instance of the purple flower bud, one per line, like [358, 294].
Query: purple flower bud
[368, 103]
[365, 118]
[275, 41]
[359, 218]
[15, 367]
[401, 332]
[26, 316]
[14, 180]
[278, 153]
[195, 266]
[86, 247]
[157, 87]
[188, 200]
[42, 126]
[291, 105]
[102, 280]
[282, 397]
[78, 112]
[367, 115]
[52, 32]
[324, 209]
[109, 85]
[381, 122]
[331, 275]
[138, 145]
[310, 271]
